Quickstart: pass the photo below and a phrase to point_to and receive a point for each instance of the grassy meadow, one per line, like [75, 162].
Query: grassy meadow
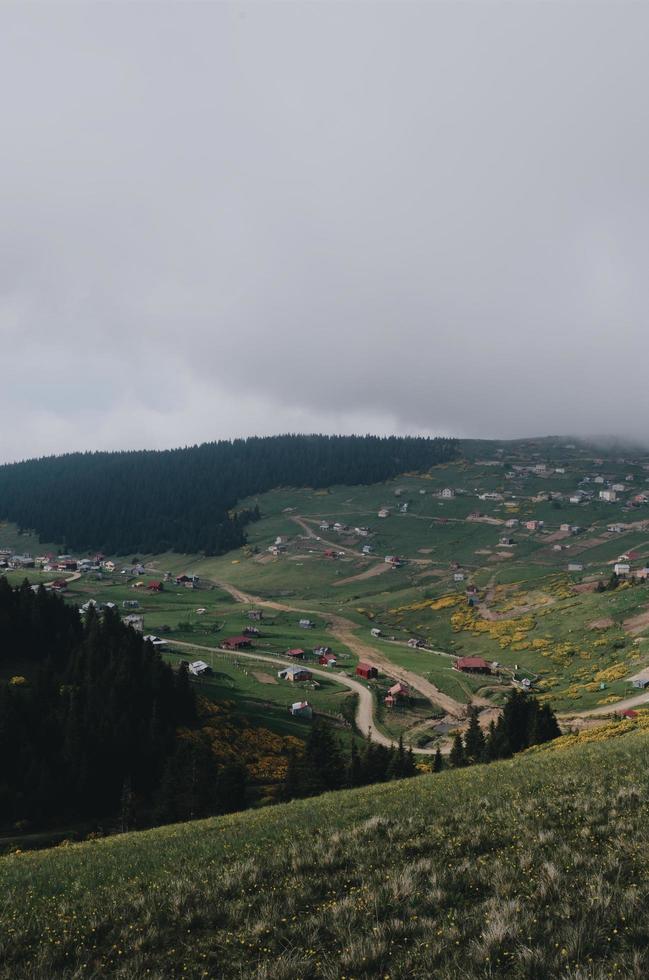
[529, 868]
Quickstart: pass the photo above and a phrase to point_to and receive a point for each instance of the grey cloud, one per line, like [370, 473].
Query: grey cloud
[225, 219]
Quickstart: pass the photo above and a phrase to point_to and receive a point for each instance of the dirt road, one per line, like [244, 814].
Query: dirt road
[344, 631]
[364, 711]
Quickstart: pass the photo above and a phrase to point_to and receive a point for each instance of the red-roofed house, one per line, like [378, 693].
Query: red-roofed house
[367, 671]
[236, 643]
[155, 587]
[295, 654]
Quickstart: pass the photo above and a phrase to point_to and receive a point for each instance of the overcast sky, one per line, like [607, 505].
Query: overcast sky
[219, 220]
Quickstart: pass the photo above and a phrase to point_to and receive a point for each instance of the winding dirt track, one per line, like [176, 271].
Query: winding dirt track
[343, 629]
[364, 712]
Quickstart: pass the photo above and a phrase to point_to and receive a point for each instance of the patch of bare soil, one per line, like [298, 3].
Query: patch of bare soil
[424, 551]
[557, 536]
[438, 572]
[637, 624]
[368, 573]
[485, 520]
[500, 555]
[584, 587]
[601, 624]
[264, 678]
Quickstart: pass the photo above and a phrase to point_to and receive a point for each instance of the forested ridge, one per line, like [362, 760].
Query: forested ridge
[90, 726]
[185, 500]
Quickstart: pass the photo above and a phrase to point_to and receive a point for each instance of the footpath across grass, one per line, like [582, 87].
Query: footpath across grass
[534, 868]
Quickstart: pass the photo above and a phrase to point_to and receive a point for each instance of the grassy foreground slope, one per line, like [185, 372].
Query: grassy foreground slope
[534, 867]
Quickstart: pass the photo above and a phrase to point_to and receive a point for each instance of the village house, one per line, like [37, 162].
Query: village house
[362, 531]
[610, 496]
[295, 674]
[414, 642]
[384, 512]
[198, 668]
[236, 643]
[251, 631]
[367, 671]
[621, 569]
[533, 525]
[458, 576]
[375, 631]
[447, 493]
[155, 641]
[295, 654]
[576, 498]
[155, 587]
[301, 709]
[134, 621]
[472, 665]
[565, 527]
[506, 542]
[575, 566]
[367, 549]
[325, 526]
[511, 522]
[328, 659]
[395, 693]
[618, 487]
[615, 528]
[255, 614]
[306, 624]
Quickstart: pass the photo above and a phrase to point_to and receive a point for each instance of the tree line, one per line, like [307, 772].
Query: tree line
[325, 765]
[90, 716]
[523, 723]
[186, 500]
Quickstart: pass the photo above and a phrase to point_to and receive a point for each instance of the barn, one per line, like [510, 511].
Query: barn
[236, 643]
[368, 671]
[295, 654]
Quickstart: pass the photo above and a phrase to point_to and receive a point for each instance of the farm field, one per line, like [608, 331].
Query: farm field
[530, 867]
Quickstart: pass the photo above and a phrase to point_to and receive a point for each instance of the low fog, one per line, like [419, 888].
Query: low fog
[220, 220]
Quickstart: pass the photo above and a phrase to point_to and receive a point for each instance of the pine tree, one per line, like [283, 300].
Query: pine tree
[474, 740]
[456, 757]
[438, 763]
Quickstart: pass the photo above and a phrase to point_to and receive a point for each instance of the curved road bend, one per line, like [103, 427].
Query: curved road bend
[364, 712]
[343, 630]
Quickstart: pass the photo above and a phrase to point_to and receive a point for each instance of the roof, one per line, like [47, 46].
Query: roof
[398, 688]
[365, 666]
[298, 705]
[237, 639]
[471, 663]
[295, 652]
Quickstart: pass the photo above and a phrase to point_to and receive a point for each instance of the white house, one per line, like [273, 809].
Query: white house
[575, 566]
[447, 493]
[301, 709]
[608, 495]
[199, 667]
[384, 512]
[621, 568]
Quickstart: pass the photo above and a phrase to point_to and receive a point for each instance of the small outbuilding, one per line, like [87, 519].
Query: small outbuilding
[367, 671]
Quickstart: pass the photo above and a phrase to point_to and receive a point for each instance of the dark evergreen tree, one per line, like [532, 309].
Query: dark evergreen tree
[456, 757]
[438, 763]
[474, 740]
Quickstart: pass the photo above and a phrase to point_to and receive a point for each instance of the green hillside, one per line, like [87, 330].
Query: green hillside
[534, 867]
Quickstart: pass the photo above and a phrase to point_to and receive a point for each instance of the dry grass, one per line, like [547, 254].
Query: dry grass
[532, 868]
